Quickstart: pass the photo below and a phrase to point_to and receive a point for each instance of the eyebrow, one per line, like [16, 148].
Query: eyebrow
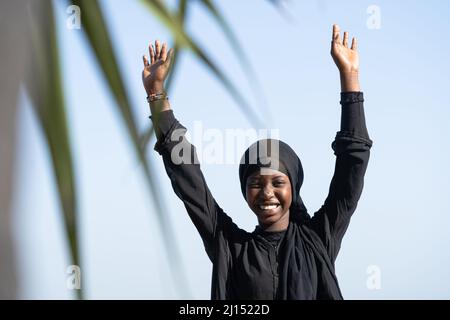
[258, 177]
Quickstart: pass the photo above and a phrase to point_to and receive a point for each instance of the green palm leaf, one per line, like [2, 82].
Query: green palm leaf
[240, 54]
[99, 40]
[45, 89]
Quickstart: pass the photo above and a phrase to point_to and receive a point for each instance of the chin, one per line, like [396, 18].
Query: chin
[267, 221]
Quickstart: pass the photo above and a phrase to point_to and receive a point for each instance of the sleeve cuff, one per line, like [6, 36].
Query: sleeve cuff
[351, 97]
[162, 123]
[352, 114]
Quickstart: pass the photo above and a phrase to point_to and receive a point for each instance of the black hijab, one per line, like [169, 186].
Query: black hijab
[277, 155]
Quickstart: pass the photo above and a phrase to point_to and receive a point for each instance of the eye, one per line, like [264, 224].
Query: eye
[253, 184]
[279, 183]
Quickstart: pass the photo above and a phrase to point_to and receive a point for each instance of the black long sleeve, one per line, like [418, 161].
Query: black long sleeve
[352, 149]
[188, 182]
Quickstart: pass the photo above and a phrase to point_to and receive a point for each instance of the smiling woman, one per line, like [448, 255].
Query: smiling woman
[269, 195]
[289, 255]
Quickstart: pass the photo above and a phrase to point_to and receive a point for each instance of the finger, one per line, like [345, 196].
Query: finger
[345, 42]
[164, 52]
[158, 50]
[354, 44]
[336, 31]
[170, 57]
[152, 53]
[145, 60]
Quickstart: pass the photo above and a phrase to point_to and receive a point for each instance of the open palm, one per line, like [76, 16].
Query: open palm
[346, 59]
[156, 70]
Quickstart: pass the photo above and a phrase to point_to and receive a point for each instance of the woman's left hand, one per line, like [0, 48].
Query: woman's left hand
[346, 59]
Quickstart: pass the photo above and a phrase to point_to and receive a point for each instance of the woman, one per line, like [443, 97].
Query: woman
[289, 255]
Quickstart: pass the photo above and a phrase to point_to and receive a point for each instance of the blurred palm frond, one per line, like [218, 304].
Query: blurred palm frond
[45, 89]
[44, 85]
[99, 40]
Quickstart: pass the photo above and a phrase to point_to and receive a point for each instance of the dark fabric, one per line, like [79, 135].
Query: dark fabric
[267, 153]
[246, 265]
[274, 238]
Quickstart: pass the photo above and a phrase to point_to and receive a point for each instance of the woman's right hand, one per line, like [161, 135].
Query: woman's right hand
[156, 70]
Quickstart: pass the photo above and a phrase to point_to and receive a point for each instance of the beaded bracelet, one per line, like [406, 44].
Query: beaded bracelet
[157, 96]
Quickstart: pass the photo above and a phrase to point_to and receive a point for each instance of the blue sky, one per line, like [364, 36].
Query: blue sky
[402, 221]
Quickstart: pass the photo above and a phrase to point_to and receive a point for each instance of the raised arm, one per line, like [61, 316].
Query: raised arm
[351, 147]
[346, 59]
[155, 73]
[179, 156]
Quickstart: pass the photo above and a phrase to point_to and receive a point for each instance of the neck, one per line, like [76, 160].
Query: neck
[280, 225]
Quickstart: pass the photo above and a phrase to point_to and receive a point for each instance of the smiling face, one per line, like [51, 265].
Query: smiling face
[269, 195]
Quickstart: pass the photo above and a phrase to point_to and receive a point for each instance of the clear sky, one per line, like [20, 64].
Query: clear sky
[401, 226]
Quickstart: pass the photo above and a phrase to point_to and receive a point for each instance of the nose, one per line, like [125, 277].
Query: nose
[267, 192]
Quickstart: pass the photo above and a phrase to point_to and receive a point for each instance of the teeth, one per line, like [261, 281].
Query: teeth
[269, 207]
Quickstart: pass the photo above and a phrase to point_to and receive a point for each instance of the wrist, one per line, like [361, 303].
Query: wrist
[159, 106]
[158, 99]
[155, 88]
[350, 81]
